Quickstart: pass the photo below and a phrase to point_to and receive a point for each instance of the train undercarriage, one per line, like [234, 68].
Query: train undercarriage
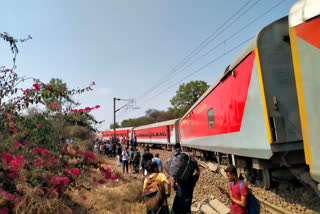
[282, 167]
[287, 167]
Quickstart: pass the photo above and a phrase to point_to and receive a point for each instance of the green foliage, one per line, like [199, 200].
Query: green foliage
[56, 94]
[151, 116]
[186, 96]
[117, 125]
[37, 166]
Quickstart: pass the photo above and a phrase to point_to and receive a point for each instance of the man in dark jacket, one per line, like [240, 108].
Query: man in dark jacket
[183, 199]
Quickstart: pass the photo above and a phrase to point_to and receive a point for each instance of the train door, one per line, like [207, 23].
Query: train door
[172, 134]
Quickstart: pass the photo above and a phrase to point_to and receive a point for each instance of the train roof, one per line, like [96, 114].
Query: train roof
[164, 123]
[252, 45]
[302, 11]
[119, 129]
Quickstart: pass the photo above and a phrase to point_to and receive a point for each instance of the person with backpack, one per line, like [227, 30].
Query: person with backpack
[158, 161]
[184, 193]
[146, 156]
[238, 195]
[154, 190]
[242, 200]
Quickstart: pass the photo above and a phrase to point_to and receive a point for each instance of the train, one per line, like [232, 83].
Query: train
[262, 114]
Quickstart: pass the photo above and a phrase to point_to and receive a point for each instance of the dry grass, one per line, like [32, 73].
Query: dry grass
[33, 202]
[122, 196]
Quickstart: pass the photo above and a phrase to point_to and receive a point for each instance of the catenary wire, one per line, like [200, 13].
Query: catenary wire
[201, 68]
[190, 55]
[223, 42]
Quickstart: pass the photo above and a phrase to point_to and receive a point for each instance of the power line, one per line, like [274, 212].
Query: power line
[201, 68]
[195, 51]
[214, 60]
[223, 42]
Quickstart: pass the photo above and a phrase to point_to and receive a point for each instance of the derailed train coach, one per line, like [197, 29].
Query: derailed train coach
[250, 117]
[304, 29]
[164, 133]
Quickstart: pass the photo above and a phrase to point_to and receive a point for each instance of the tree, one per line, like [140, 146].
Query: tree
[117, 126]
[57, 93]
[186, 96]
[152, 116]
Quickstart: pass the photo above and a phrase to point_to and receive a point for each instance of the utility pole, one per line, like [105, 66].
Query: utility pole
[116, 110]
[114, 117]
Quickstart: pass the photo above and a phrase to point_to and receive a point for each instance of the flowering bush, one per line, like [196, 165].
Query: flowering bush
[35, 160]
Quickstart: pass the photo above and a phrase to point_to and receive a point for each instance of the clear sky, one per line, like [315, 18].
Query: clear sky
[126, 46]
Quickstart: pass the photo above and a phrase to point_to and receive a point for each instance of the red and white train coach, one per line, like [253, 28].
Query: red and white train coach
[120, 132]
[158, 133]
[251, 114]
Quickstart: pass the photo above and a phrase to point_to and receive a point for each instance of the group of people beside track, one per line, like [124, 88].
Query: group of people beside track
[151, 167]
[184, 190]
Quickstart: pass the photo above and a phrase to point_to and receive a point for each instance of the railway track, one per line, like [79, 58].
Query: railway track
[272, 208]
[264, 204]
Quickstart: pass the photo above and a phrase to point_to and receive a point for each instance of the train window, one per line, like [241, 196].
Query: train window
[190, 127]
[211, 118]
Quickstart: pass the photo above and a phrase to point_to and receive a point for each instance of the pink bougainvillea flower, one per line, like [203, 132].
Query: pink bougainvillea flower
[97, 106]
[8, 196]
[37, 150]
[54, 105]
[84, 197]
[54, 191]
[6, 158]
[89, 156]
[25, 91]
[50, 86]
[66, 144]
[93, 83]
[113, 177]
[108, 170]
[45, 152]
[4, 210]
[107, 176]
[39, 126]
[75, 171]
[18, 97]
[16, 145]
[38, 162]
[37, 86]
[101, 181]
[87, 109]
[15, 130]
[64, 87]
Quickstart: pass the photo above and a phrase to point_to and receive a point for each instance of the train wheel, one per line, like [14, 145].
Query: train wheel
[264, 180]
